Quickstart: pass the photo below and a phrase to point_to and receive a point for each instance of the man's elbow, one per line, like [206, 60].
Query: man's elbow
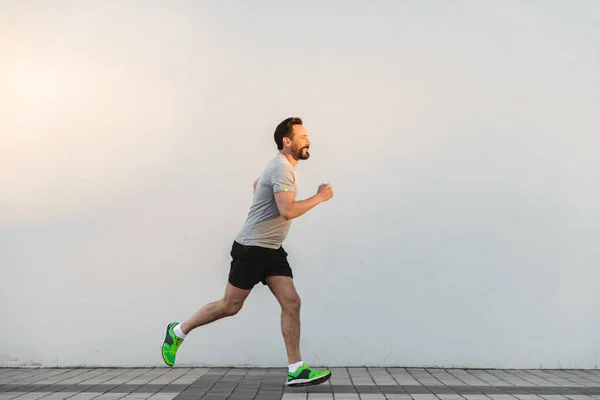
[286, 214]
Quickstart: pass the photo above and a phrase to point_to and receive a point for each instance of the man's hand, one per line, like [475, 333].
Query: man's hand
[325, 191]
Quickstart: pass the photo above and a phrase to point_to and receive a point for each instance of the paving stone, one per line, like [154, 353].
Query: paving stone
[268, 383]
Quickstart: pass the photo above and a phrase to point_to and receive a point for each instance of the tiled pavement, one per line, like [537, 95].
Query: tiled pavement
[267, 383]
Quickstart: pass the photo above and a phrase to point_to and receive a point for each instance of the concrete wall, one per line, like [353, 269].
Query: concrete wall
[462, 141]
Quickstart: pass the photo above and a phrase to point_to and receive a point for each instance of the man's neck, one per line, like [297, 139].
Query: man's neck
[289, 157]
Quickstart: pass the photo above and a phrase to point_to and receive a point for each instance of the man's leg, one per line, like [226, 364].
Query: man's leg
[229, 305]
[299, 374]
[284, 290]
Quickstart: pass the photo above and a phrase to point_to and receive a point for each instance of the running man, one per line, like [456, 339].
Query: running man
[257, 254]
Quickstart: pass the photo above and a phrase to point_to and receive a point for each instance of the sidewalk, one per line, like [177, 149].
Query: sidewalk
[267, 383]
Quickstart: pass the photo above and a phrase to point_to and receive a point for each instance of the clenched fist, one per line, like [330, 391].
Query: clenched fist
[325, 191]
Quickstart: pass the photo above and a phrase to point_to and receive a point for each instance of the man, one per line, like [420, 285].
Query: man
[257, 254]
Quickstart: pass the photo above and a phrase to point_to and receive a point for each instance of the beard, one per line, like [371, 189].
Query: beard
[300, 153]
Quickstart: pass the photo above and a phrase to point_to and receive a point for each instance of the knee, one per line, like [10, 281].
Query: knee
[291, 304]
[230, 308]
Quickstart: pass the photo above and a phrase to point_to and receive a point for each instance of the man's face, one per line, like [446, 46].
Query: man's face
[300, 143]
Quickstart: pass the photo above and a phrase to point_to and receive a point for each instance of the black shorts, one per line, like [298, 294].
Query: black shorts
[253, 264]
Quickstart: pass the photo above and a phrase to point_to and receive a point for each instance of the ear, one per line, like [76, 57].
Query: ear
[287, 141]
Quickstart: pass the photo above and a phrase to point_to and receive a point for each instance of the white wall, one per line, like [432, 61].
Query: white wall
[462, 141]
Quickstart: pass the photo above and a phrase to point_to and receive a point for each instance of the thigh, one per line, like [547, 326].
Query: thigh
[234, 295]
[247, 266]
[283, 289]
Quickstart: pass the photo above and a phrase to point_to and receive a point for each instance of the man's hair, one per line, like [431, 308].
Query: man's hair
[285, 129]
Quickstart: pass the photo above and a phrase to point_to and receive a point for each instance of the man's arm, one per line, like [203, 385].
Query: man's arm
[289, 208]
[254, 184]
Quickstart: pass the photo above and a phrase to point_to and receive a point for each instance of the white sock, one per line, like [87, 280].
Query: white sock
[294, 367]
[177, 331]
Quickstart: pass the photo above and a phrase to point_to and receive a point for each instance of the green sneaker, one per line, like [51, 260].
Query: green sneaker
[170, 345]
[305, 376]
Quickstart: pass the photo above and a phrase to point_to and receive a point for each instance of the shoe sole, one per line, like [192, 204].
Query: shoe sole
[311, 382]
